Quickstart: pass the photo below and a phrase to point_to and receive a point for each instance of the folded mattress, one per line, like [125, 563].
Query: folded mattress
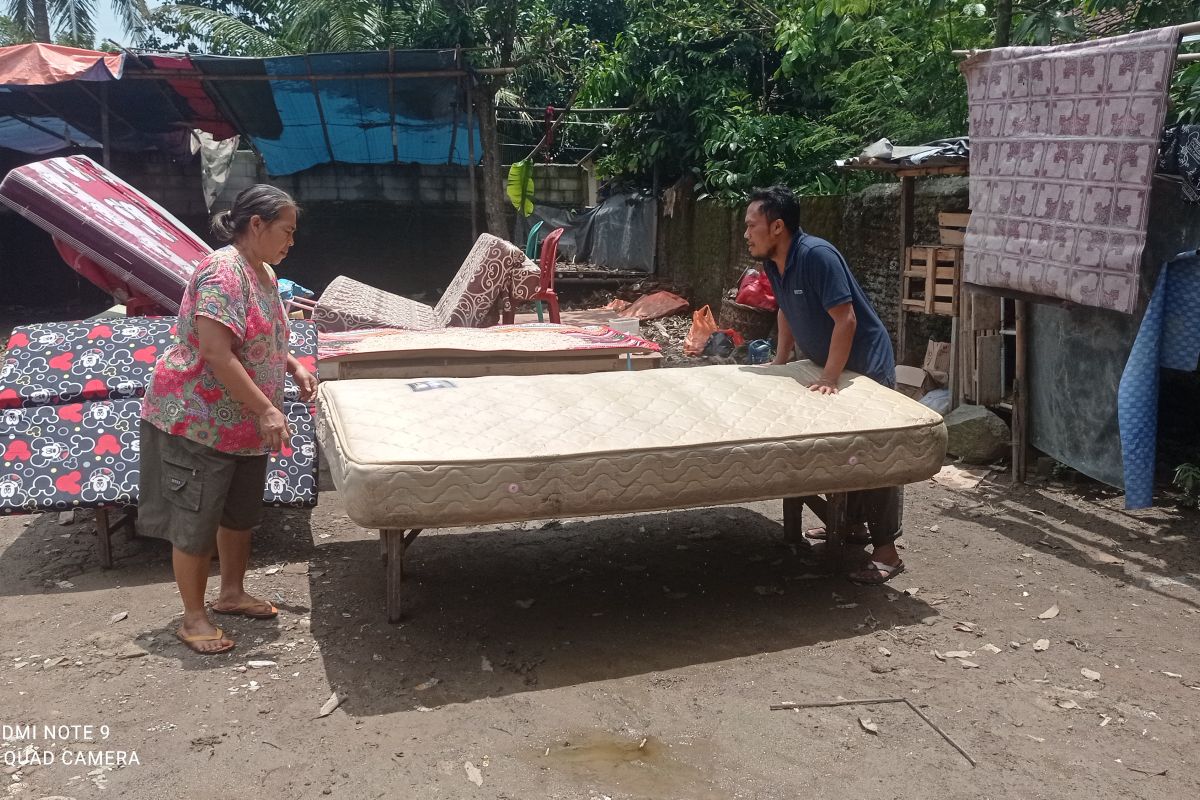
[111, 233]
[450, 452]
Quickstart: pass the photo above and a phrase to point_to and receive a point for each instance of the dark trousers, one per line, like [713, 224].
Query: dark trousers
[881, 509]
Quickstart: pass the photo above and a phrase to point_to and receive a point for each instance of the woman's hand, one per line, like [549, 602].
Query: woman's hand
[274, 428]
[306, 382]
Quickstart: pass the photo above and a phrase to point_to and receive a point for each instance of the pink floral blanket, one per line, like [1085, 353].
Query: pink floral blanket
[1063, 145]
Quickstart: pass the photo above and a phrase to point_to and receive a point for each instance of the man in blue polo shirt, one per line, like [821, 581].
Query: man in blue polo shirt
[825, 313]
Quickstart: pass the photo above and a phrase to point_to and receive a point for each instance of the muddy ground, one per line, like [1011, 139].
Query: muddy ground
[627, 657]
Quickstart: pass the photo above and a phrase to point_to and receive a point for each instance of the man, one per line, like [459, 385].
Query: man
[824, 312]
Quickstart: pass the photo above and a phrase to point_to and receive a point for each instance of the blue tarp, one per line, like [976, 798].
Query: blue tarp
[297, 122]
[41, 135]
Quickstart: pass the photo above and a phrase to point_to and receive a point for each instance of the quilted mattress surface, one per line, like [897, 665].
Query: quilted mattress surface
[443, 453]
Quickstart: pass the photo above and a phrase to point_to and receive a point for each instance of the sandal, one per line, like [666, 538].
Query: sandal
[271, 611]
[858, 535]
[190, 642]
[870, 575]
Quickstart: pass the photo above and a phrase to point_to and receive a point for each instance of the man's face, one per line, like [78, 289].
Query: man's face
[761, 233]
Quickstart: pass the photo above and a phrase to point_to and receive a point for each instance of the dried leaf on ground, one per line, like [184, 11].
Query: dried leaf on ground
[428, 684]
[120, 615]
[1041, 645]
[868, 725]
[330, 705]
[1090, 674]
[958, 654]
[991, 648]
[1049, 613]
[473, 773]
[885, 652]
[1068, 704]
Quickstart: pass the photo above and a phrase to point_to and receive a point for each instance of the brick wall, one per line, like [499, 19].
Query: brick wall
[700, 243]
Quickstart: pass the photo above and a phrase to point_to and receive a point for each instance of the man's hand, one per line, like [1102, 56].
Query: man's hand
[824, 386]
[306, 382]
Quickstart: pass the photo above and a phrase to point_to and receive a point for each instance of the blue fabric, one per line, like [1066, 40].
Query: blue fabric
[297, 123]
[41, 135]
[815, 280]
[1169, 337]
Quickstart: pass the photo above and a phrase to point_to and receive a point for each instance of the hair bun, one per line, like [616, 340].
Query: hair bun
[222, 226]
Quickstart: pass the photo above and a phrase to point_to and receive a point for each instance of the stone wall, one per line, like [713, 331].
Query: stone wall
[700, 245]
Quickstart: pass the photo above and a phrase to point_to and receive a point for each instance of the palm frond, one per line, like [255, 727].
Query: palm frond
[133, 14]
[223, 30]
[76, 20]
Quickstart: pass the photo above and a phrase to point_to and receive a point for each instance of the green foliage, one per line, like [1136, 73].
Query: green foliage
[1187, 480]
[520, 186]
[11, 33]
[72, 22]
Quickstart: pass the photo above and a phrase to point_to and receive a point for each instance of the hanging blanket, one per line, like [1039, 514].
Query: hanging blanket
[1063, 145]
[1169, 337]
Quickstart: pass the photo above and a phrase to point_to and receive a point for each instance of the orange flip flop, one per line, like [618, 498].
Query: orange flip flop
[245, 611]
[190, 642]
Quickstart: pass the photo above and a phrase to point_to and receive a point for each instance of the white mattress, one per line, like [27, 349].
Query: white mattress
[504, 449]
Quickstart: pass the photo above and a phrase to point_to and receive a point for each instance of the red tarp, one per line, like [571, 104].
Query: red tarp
[46, 64]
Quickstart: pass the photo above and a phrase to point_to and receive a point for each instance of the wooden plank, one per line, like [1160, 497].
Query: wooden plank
[987, 388]
[952, 219]
[952, 236]
[985, 312]
[943, 309]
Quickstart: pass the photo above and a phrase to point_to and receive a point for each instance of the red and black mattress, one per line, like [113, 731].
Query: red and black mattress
[108, 231]
[70, 401]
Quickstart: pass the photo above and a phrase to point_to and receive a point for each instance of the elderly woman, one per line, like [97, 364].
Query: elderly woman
[212, 413]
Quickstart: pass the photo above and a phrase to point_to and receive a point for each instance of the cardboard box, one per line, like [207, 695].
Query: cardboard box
[937, 361]
[913, 381]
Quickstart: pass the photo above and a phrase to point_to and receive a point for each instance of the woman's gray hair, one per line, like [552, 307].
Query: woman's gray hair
[262, 200]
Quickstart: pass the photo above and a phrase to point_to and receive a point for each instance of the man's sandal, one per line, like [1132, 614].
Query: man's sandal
[858, 535]
[190, 642]
[875, 573]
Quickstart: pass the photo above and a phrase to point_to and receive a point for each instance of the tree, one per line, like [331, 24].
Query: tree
[72, 20]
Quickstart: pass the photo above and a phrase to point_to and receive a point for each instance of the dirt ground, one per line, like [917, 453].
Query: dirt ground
[627, 657]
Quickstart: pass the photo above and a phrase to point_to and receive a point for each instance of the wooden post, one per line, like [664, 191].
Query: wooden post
[1020, 428]
[906, 240]
[470, 99]
[836, 530]
[793, 520]
[393, 541]
[104, 534]
[105, 136]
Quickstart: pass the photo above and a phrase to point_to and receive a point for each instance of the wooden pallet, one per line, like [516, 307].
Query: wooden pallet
[931, 277]
[952, 228]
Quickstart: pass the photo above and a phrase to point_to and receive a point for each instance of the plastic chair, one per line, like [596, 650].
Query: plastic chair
[531, 242]
[545, 293]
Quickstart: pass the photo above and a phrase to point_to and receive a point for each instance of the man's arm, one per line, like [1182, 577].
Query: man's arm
[844, 325]
[787, 342]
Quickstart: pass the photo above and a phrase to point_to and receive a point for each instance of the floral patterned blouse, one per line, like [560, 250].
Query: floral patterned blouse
[183, 396]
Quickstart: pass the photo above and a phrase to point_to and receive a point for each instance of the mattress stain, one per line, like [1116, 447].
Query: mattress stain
[631, 767]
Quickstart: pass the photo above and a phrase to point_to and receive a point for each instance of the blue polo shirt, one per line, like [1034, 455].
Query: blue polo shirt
[815, 280]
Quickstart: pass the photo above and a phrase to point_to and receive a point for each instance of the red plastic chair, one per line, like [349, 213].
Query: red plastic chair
[545, 293]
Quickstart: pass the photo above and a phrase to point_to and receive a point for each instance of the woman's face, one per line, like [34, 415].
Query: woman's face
[272, 240]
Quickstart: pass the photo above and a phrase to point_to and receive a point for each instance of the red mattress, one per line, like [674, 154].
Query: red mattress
[109, 232]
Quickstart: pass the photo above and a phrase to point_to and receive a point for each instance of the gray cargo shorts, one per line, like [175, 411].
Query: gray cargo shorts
[187, 490]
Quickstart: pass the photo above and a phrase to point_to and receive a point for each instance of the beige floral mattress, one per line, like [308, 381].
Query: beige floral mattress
[445, 453]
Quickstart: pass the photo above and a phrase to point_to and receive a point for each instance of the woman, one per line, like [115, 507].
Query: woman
[212, 413]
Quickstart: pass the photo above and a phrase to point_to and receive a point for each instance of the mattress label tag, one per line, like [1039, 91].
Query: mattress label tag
[425, 386]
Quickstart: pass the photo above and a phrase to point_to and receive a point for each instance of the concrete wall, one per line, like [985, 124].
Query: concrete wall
[403, 228]
[700, 244]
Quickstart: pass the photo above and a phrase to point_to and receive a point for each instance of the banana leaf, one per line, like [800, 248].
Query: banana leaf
[520, 186]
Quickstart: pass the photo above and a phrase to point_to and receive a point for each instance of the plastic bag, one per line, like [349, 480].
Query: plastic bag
[755, 290]
[704, 325]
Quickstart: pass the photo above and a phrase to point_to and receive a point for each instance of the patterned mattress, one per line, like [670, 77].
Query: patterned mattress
[70, 402]
[108, 231]
[443, 453]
